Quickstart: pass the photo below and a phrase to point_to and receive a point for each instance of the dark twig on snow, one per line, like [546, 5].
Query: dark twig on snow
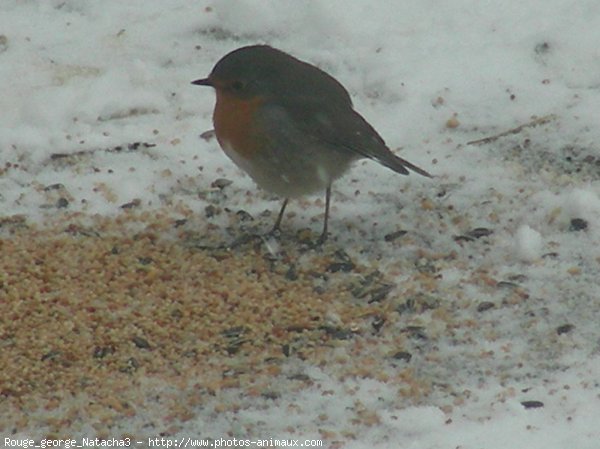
[533, 123]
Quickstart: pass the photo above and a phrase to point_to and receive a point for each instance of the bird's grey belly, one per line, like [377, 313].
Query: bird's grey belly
[290, 173]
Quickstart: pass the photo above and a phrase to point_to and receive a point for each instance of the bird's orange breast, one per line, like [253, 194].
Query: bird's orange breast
[236, 125]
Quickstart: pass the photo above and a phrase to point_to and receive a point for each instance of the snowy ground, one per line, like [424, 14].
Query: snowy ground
[91, 77]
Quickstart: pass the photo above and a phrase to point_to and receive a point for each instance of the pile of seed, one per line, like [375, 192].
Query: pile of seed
[94, 311]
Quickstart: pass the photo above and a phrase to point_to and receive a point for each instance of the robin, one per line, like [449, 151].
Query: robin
[290, 125]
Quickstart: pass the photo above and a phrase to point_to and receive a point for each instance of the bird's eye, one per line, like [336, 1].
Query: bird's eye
[237, 85]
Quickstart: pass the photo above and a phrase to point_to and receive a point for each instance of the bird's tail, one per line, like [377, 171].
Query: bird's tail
[400, 165]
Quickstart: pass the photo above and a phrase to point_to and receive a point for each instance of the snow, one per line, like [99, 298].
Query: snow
[90, 76]
[529, 243]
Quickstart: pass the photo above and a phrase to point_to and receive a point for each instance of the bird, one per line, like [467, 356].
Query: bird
[291, 126]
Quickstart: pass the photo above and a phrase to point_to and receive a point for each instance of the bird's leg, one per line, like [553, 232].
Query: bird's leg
[323, 236]
[276, 228]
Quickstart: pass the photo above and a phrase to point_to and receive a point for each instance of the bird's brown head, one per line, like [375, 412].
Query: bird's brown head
[271, 74]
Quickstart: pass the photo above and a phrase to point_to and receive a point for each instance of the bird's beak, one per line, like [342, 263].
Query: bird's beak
[203, 82]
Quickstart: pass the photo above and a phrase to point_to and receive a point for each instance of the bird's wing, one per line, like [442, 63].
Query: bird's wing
[344, 129]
